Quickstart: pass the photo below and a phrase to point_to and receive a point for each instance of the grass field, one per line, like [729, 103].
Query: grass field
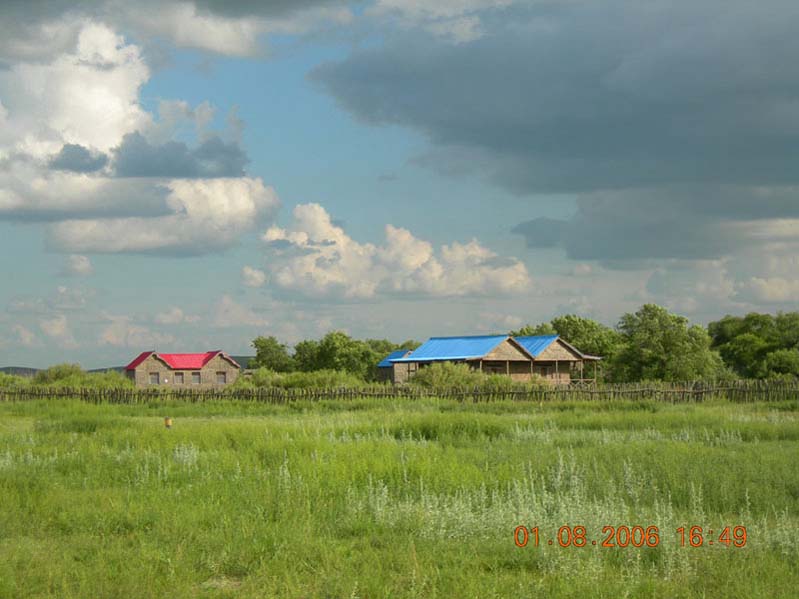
[394, 499]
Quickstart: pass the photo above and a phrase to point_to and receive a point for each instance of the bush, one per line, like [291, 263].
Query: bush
[58, 374]
[9, 380]
[71, 375]
[447, 375]
[316, 379]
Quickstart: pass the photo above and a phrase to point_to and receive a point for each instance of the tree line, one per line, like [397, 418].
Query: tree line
[647, 345]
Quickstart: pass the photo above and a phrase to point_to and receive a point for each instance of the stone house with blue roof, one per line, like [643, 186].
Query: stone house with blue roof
[520, 358]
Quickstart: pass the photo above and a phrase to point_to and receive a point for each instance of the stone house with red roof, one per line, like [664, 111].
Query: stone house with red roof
[211, 369]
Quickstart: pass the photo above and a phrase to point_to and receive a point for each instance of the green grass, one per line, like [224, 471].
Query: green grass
[393, 499]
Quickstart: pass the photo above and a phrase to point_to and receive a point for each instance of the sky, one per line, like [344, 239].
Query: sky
[187, 175]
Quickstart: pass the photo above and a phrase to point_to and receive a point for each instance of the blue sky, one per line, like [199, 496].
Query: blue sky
[185, 176]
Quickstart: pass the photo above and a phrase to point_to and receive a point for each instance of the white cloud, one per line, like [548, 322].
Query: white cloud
[175, 316]
[318, 258]
[88, 96]
[455, 20]
[24, 336]
[773, 290]
[57, 328]
[228, 313]
[582, 269]
[252, 277]
[186, 27]
[77, 265]
[207, 215]
[122, 332]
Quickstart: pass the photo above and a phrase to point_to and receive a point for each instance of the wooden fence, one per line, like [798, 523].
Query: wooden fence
[738, 391]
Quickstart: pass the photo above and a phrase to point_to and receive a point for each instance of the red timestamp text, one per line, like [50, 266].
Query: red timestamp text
[630, 536]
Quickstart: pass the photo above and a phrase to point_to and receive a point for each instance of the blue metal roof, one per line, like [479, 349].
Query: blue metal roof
[386, 362]
[535, 344]
[454, 348]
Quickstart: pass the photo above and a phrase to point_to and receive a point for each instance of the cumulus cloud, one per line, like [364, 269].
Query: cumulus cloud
[175, 315]
[76, 158]
[668, 126]
[228, 313]
[206, 215]
[123, 332]
[63, 298]
[77, 148]
[683, 222]
[454, 20]
[86, 97]
[78, 266]
[57, 328]
[252, 277]
[638, 94]
[24, 336]
[317, 258]
[37, 30]
[772, 290]
[137, 157]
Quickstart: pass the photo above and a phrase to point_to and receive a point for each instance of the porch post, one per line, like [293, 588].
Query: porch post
[507, 367]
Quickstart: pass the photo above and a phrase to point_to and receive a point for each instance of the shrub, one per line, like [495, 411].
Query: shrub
[9, 380]
[447, 375]
[58, 374]
[71, 375]
[316, 379]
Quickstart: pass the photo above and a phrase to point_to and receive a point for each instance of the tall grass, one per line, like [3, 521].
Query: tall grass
[392, 499]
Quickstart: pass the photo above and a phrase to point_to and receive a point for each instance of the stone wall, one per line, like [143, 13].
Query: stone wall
[166, 375]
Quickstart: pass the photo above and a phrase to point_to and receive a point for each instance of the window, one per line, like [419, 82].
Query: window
[178, 378]
[195, 378]
[544, 371]
[221, 378]
[154, 379]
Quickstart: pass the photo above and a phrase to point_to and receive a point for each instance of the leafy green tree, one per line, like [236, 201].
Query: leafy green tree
[527, 330]
[589, 336]
[745, 342]
[306, 355]
[787, 324]
[272, 354]
[782, 362]
[658, 345]
[745, 353]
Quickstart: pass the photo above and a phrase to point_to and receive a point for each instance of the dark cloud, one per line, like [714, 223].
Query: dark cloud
[137, 157]
[583, 95]
[641, 225]
[541, 232]
[259, 8]
[76, 158]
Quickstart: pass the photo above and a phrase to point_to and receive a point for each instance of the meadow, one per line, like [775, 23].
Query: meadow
[394, 498]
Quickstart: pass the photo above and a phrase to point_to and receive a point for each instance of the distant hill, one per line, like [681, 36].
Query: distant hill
[19, 370]
[114, 368]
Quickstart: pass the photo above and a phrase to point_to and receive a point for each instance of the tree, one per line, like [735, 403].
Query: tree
[783, 362]
[271, 354]
[745, 342]
[658, 345]
[528, 330]
[745, 353]
[587, 335]
[306, 355]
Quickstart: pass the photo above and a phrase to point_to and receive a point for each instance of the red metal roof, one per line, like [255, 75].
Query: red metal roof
[181, 361]
[139, 359]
